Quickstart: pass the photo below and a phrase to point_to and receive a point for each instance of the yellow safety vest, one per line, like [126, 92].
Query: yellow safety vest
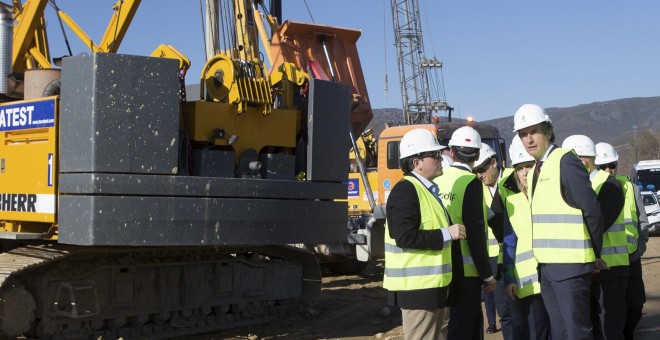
[452, 185]
[411, 269]
[558, 230]
[615, 247]
[504, 191]
[525, 267]
[630, 218]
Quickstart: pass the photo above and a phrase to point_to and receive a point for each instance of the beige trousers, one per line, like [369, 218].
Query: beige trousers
[424, 324]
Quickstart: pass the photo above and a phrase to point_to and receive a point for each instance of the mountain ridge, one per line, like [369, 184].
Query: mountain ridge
[622, 116]
[613, 121]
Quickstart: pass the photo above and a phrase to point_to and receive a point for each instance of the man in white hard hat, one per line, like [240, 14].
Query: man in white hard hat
[490, 173]
[418, 235]
[462, 194]
[637, 233]
[567, 225]
[520, 269]
[608, 289]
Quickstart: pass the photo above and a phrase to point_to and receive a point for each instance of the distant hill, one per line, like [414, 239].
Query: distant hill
[614, 121]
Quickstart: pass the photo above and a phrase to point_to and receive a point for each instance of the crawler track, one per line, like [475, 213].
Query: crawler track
[71, 292]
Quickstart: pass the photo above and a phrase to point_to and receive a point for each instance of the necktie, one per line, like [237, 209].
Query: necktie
[537, 171]
[435, 189]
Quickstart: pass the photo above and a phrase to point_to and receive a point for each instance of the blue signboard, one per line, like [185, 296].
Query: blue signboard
[353, 187]
[387, 184]
[23, 116]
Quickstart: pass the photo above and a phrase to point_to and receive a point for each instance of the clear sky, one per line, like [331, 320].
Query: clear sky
[497, 54]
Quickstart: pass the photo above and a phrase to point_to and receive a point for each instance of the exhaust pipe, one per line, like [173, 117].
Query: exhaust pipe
[6, 34]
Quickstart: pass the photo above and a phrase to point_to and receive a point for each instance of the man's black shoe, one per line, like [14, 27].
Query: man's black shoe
[492, 329]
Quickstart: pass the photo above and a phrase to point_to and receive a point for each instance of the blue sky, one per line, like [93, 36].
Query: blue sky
[497, 54]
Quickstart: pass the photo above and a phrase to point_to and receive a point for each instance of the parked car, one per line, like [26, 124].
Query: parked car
[652, 209]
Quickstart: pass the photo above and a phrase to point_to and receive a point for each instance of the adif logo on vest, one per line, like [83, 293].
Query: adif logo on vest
[448, 196]
[543, 179]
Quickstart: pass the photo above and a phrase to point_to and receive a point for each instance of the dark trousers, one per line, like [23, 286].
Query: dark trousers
[465, 319]
[489, 304]
[567, 304]
[533, 310]
[635, 298]
[608, 308]
[509, 312]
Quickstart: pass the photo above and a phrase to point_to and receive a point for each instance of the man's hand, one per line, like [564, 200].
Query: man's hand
[457, 232]
[600, 265]
[511, 290]
[489, 286]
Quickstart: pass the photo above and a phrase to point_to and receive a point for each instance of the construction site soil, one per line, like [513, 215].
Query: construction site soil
[353, 307]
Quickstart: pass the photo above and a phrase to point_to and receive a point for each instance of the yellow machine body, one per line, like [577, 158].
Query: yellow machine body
[28, 162]
[216, 123]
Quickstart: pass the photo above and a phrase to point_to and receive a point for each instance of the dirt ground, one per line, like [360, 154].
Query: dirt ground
[352, 307]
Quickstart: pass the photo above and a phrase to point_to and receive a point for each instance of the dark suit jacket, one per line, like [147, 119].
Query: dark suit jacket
[475, 225]
[496, 223]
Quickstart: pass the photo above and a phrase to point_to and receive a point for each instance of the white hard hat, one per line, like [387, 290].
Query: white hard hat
[466, 136]
[485, 153]
[583, 145]
[528, 115]
[606, 153]
[446, 161]
[417, 141]
[518, 153]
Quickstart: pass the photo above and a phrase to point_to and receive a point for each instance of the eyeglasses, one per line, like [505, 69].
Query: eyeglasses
[435, 155]
[608, 166]
[481, 169]
[484, 166]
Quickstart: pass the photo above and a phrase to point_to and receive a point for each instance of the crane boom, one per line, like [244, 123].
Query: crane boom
[416, 95]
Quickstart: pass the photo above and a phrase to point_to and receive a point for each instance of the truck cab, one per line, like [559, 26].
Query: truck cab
[646, 174]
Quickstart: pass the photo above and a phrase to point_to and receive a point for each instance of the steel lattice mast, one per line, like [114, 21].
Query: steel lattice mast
[414, 67]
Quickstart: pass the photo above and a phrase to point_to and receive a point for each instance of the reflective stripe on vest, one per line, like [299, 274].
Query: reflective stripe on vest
[396, 250]
[615, 244]
[412, 269]
[630, 218]
[525, 266]
[457, 181]
[418, 271]
[558, 230]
